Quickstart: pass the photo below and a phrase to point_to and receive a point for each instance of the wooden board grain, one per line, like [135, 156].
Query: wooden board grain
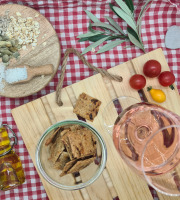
[46, 52]
[117, 178]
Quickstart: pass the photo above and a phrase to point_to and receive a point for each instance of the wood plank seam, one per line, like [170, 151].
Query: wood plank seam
[48, 110]
[110, 184]
[71, 95]
[109, 87]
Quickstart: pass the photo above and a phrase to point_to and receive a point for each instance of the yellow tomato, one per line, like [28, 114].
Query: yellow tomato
[157, 95]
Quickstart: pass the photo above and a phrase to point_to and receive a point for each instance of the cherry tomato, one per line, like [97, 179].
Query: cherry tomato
[157, 95]
[166, 78]
[137, 81]
[152, 68]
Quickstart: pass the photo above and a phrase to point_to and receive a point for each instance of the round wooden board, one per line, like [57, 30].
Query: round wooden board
[46, 52]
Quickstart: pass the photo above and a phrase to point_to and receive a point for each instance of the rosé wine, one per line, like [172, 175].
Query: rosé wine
[133, 128]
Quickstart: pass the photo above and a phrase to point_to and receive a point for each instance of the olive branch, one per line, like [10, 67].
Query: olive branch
[112, 30]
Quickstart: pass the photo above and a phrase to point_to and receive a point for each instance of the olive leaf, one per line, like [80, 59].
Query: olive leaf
[89, 34]
[124, 7]
[143, 10]
[91, 16]
[91, 29]
[112, 22]
[104, 25]
[110, 45]
[111, 6]
[129, 3]
[98, 37]
[93, 38]
[132, 32]
[125, 17]
[112, 31]
[134, 40]
[94, 45]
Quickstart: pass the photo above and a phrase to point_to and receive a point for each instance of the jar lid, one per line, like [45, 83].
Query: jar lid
[6, 144]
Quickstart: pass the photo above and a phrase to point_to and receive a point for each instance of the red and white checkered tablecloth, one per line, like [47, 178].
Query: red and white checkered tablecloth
[70, 20]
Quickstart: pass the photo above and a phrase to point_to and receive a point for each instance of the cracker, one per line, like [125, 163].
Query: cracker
[88, 143]
[87, 107]
[72, 142]
[50, 139]
[56, 149]
[81, 164]
[67, 167]
[76, 165]
[62, 160]
[71, 148]
[80, 143]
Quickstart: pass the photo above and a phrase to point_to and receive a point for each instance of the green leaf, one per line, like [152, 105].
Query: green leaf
[94, 45]
[129, 3]
[125, 17]
[98, 37]
[93, 38]
[111, 6]
[110, 45]
[91, 16]
[124, 7]
[112, 22]
[83, 39]
[89, 34]
[135, 41]
[143, 8]
[132, 32]
[91, 29]
[104, 25]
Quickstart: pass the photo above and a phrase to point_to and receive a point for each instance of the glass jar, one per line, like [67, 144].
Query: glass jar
[77, 180]
[11, 171]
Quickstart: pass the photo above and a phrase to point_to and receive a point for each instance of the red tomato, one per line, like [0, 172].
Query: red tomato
[152, 68]
[166, 78]
[137, 81]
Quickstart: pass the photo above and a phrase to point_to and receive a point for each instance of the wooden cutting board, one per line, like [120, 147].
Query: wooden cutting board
[117, 180]
[47, 51]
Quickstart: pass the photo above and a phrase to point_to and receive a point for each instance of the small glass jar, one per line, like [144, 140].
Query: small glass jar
[11, 171]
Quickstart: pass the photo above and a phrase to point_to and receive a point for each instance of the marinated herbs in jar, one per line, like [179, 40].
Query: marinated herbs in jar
[11, 171]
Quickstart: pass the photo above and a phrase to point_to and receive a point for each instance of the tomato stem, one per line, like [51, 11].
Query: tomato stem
[172, 87]
[149, 88]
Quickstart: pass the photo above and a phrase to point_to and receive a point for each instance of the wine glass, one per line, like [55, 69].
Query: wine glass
[133, 128]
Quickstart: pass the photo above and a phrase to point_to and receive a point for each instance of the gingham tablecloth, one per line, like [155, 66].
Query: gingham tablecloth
[70, 20]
